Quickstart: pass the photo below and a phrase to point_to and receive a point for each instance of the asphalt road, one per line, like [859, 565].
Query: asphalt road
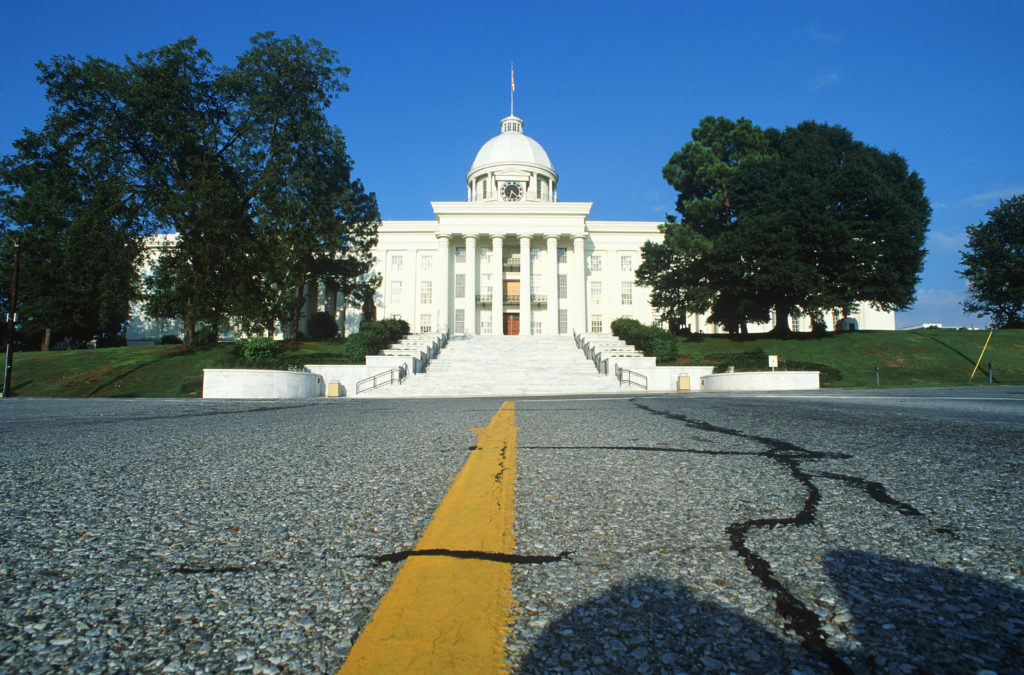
[851, 531]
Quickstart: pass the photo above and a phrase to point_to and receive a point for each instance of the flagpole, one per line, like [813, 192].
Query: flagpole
[512, 95]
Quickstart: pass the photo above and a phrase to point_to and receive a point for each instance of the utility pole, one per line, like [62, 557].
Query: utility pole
[11, 320]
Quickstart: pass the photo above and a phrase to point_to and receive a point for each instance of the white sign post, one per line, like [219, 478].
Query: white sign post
[773, 362]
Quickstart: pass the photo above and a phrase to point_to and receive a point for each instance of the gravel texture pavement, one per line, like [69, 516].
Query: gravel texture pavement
[779, 533]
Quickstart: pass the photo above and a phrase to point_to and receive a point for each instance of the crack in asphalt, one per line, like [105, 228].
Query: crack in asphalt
[791, 609]
[513, 558]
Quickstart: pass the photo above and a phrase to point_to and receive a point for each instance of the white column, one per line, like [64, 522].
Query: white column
[471, 284]
[578, 285]
[498, 288]
[443, 274]
[524, 284]
[552, 283]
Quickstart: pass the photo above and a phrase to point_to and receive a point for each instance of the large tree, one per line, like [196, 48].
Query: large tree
[80, 232]
[239, 163]
[702, 172]
[993, 264]
[810, 222]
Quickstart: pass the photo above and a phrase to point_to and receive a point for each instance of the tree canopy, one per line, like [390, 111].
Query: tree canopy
[239, 163]
[775, 223]
[993, 264]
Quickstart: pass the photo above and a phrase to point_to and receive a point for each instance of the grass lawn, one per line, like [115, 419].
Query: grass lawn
[153, 372]
[919, 358]
[922, 358]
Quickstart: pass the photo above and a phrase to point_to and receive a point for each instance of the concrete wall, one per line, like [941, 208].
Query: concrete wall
[249, 383]
[780, 380]
[666, 378]
[350, 375]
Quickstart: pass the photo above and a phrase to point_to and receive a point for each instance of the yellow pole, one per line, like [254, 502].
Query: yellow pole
[981, 357]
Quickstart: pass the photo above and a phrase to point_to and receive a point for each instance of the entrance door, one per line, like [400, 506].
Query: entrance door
[511, 323]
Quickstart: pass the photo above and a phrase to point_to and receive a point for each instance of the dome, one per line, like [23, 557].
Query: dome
[511, 146]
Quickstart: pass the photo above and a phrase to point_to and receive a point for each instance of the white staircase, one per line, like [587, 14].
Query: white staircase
[504, 365]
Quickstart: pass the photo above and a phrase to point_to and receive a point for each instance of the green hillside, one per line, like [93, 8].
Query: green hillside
[919, 358]
[923, 358]
[157, 372]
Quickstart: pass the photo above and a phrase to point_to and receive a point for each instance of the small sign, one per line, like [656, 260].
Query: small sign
[773, 361]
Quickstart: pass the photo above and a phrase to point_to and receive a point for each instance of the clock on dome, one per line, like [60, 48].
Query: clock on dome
[512, 192]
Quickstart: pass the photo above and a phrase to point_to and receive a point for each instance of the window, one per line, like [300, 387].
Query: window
[396, 263]
[595, 292]
[485, 324]
[460, 254]
[563, 255]
[536, 289]
[535, 326]
[534, 255]
[595, 323]
[396, 291]
[627, 263]
[425, 293]
[627, 292]
[484, 190]
[427, 262]
[460, 286]
[563, 321]
[424, 323]
[460, 321]
[595, 263]
[563, 287]
[485, 255]
[486, 289]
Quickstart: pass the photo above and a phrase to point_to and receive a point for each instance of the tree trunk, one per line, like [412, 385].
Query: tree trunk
[46, 340]
[300, 297]
[188, 324]
[781, 321]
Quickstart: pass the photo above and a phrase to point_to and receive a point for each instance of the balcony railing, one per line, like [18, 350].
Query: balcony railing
[485, 297]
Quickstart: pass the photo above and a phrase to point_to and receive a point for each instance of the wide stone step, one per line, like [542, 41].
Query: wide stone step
[501, 365]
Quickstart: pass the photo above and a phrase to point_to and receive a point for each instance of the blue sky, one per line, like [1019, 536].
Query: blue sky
[610, 89]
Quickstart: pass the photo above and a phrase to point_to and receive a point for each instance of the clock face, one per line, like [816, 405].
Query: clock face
[512, 192]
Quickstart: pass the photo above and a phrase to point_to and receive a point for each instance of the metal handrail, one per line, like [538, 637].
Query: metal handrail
[629, 375]
[382, 378]
[512, 297]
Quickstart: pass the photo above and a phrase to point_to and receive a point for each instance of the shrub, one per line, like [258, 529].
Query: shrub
[205, 338]
[322, 326]
[259, 348]
[374, 336]
[170, 340]
[651, 340]
[111, 340]
[360, 345]
[257, 352]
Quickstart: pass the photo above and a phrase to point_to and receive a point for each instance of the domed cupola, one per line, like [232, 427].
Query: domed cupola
[512, 167]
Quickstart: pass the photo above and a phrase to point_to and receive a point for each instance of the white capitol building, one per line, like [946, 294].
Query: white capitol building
[510, 260]
[514, 260]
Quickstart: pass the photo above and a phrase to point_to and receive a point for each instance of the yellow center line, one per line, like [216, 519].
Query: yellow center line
[448, 614]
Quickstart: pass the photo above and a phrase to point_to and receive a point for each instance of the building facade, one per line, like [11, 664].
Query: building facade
[510, 260]
[513, 260]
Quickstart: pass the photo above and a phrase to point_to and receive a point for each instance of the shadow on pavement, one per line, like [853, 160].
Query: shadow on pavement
[650, 625]
[928, 618]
